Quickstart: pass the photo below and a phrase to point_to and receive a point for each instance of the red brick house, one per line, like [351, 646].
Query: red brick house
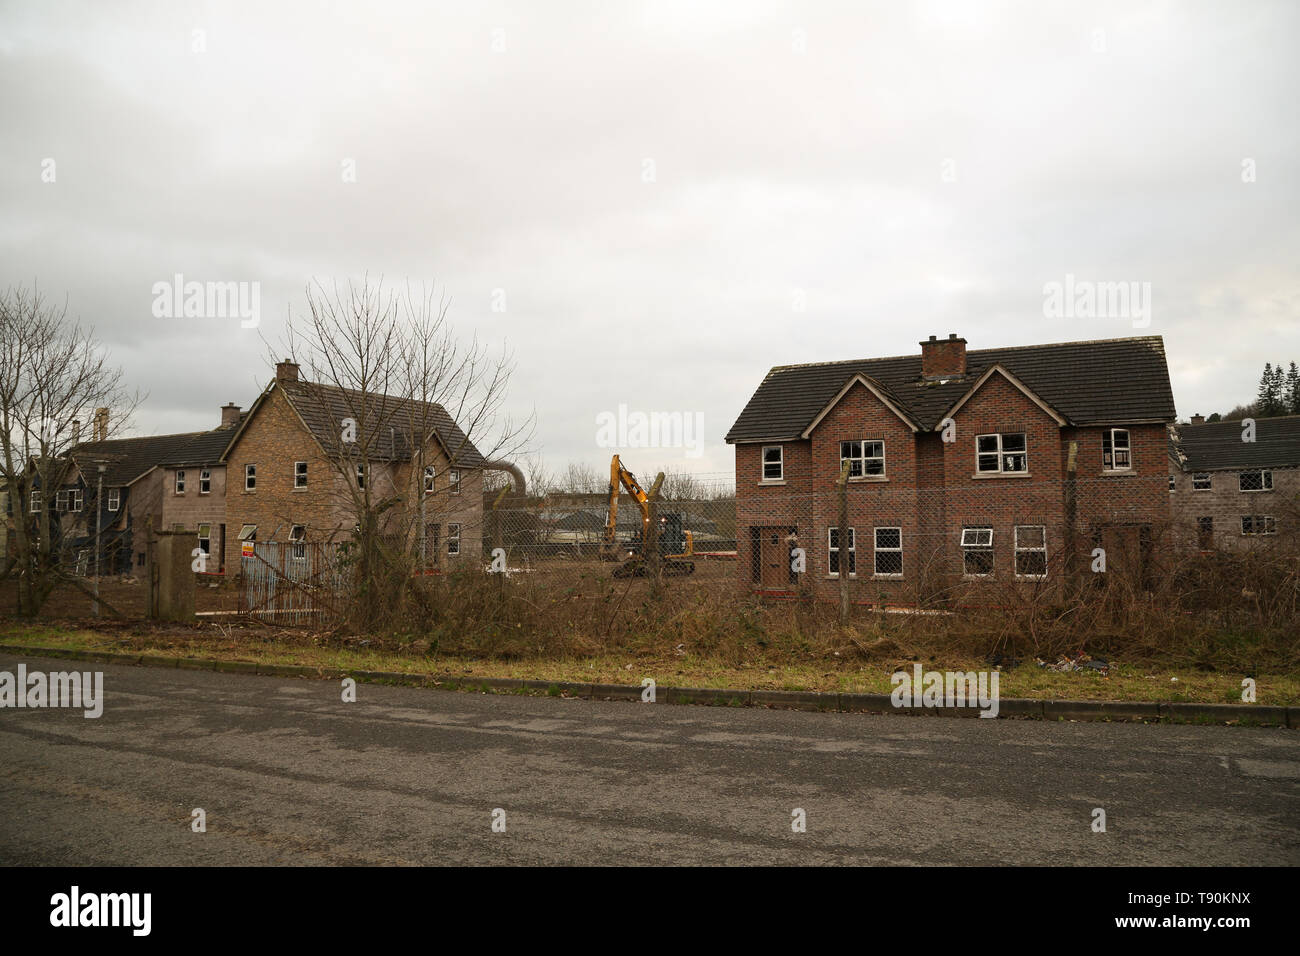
[967, 468]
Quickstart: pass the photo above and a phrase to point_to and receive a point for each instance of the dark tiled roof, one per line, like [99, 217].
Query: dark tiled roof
[1111, 380]
[129, 458]
[323, 408]
[1217, 445]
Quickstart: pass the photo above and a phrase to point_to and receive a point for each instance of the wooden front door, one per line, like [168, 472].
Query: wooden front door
[774, 558]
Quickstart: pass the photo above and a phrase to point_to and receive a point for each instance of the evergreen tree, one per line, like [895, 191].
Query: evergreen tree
[1264, 400]
[1293, 389]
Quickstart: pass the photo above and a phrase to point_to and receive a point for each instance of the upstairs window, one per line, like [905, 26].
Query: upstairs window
[1115, 451]
[61, 500]
[180, 482]
[1255, 480]
[36, 501]
[248, 532]
[833, 548]
[250, 477]
[1031, 551]
[74, 499]
[361, 476]
[453, 539]
[1173, 483]
[300, 474]
[773, 463]
[865, 458]
[429, 475]
[455, 481]
[977, 551]
[205, 481]
[1001, 454]
[114, 499]
[1201, 481]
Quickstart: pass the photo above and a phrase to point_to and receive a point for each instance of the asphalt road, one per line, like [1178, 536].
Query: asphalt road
[287, 773]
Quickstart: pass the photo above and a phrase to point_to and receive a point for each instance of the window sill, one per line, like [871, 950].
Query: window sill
[1254, 491]
[1001, 474]
[1119, 471]
[1031, 577]
[868, 478]
[771, 481]
[976, 577]
[888, 577]
[853, 575]
[304, 488]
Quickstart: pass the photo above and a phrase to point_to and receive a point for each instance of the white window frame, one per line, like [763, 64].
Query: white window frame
[35, 506]
[75, 499]
[250, 477]
[1265, 479]
[299, 474]
[454, 477]
[453, 538]
[61, 500]
[972, 540]
[1021, 549]
[205, 539]
[1108, 438]
[361, 476]
[248, 532]
[779, 463]
[430, 479]
[1202, 476]
[834, 550]
[858, 463]
[875, 563]
[205, 481]
[1173, 483]
[180, 481]
[1002, 454]
[114, 499]
[1267, 522]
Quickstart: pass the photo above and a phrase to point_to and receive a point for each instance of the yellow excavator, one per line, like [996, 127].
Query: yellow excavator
[674, 543]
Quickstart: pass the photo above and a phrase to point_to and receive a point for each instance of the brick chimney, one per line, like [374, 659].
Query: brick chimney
[229, 415]
[76, 431]
[943, 358]
[1198, 419]
[99, 429]
[286, 371]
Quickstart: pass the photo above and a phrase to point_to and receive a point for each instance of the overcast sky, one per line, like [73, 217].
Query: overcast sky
[673, 196]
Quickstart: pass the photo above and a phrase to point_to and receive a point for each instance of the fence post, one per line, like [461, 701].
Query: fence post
[650, 539]
[842, 487]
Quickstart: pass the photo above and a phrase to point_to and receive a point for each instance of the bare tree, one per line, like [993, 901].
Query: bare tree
[54, 373]
[407, 404]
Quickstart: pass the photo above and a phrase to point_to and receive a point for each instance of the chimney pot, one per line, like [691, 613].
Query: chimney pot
[1198, 419]
[286, 371]
[229, 415]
